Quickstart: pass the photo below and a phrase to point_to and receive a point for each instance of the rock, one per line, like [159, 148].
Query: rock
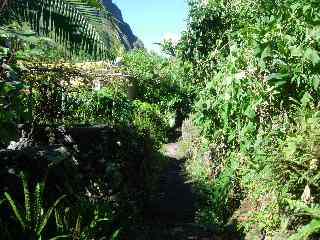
[21, 144]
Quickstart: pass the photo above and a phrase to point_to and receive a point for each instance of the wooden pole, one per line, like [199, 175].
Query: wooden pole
[132, 89]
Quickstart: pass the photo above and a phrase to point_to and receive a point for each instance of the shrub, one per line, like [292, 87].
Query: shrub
[257, 68]
[103, 106]
[149, 120]
[160, 81]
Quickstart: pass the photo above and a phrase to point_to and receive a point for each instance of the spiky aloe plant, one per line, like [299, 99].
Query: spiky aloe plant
[33, 218]
[76, 24]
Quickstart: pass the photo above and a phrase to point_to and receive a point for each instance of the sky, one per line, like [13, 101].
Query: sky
[151, 20]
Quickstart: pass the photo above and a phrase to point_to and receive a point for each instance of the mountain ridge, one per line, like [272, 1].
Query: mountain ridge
[128, 38]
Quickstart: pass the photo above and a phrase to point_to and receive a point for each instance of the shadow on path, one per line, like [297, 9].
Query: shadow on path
[170, 213]
[174, 201]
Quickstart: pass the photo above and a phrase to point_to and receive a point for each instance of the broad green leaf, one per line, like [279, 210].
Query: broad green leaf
[267, 52]
[315, 81]
[7, 88]
[37, 198]
[304, 208]
[315, 33]
[290, 149]
[115, 234]
[306, 99]
[277, 76]
[296, 51]
[103, 220]
[278, 79]
[249, 112]
[61, 237]
[27, 202]
[312, 55]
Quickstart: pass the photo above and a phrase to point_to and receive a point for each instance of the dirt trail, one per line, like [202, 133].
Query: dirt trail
[175, 201]
[170, 213]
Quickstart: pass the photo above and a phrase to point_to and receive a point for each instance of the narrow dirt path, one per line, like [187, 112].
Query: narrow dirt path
[170, 213]
[175, 201]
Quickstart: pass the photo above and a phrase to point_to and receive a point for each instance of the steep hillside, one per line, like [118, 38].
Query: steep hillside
[127, 36]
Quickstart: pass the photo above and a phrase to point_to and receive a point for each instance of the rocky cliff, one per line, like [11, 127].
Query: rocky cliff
[127, 36]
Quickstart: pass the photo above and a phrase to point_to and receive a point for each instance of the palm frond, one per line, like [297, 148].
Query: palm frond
[73, 23]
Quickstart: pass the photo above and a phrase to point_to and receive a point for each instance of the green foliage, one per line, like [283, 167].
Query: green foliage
[248, 70]
[36, 89]
[107, 106]
[208, 21]
[149, 120]
[311, 228]
[12, 99]
[146, 72]
[33, 218]
[75, 23]
[257, 66]
[158, 80]
[86, 220]
[21, 43]
[298, 162]
[103, 106]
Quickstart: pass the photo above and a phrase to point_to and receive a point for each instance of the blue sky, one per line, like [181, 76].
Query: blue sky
[150, 20]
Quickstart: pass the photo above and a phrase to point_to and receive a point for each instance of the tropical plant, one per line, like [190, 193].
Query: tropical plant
[86, 220]
[313, 227]
[76, 24]
[33, 218]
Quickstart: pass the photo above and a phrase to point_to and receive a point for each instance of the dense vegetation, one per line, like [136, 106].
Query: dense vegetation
[243, 84]
[256, 64]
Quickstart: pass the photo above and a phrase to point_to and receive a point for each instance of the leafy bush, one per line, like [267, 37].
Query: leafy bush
[257, 68]
[149, 120]
[160, 81]
[86, 220]
[103, 106]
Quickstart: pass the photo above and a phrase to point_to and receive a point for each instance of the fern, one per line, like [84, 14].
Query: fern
[306, 231]
[311, 228]
[302, 208]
